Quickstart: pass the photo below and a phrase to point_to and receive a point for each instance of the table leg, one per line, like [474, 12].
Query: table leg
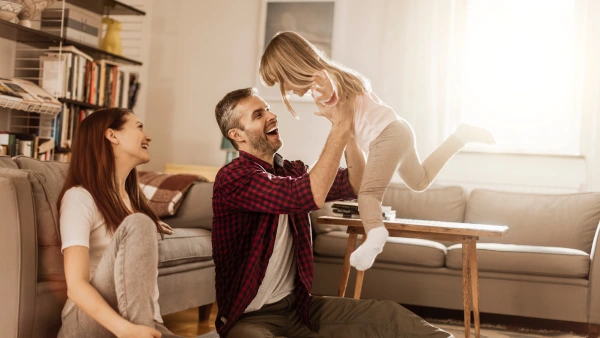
[466, 287]
[346, 268]
[474, 284]
[360, 275]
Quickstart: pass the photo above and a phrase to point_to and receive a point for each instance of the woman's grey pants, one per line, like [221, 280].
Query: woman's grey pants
[126, 279]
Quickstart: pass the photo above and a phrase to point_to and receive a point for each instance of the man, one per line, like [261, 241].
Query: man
[262, 245]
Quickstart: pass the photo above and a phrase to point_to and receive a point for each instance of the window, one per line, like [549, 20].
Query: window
[523, 73]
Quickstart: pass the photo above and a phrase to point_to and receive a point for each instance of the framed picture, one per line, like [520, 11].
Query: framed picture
[312, 19]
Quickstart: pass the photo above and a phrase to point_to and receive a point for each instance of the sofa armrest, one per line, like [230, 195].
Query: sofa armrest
[594, 278]
[18, 249]
[196, 208]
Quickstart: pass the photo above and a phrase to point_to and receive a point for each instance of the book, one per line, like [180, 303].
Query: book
[385, 216]
[353, 206]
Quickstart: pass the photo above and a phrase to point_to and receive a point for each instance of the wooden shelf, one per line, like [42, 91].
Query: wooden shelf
[80, 104]
[62, 150]
[107, 7]
[39, 39]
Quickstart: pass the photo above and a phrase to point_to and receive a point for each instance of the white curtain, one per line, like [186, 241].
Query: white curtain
[522, 68]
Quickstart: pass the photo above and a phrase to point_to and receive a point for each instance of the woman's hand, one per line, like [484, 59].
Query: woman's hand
[322, 88]
[166, 228]
[140, 331]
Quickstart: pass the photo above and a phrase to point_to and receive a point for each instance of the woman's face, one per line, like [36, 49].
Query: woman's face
[133, 142]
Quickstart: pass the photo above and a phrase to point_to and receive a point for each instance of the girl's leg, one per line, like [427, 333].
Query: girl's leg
[385, 152]
[419, 176]
[125, 277]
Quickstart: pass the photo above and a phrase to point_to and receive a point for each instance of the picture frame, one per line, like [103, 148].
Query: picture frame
[315, 20]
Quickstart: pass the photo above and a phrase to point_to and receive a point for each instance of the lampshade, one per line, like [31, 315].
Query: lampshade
[226, 144]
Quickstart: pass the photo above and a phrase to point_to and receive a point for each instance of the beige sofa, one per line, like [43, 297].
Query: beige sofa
[32, 286]
[546, 266]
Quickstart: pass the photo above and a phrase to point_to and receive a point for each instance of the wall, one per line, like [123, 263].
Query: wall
[200, 50]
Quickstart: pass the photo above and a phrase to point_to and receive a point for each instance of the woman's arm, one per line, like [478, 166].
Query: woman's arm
[88, 299]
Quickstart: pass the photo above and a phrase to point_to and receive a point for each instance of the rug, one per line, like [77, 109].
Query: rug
[498, 331]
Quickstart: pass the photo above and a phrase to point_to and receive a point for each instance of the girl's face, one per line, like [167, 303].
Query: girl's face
[296, 89]
[133, 142]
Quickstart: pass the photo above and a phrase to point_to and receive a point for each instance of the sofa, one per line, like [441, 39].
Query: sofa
[546, 266]
[32, 285]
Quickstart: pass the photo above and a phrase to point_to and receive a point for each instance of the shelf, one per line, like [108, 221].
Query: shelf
[62, 150]
[80, 104]
[39, 39]
[107, 7]
[18, 33]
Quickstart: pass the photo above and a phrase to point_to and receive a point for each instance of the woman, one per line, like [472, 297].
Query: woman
[108, 232]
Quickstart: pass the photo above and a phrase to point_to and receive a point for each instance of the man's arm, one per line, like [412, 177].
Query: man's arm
[325, 170]
[355, 160]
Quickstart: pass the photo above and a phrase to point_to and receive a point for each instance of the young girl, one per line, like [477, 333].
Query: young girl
[108, 233]
[386, 138]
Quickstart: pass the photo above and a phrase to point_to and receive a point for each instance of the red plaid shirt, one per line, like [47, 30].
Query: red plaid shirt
[248, 197]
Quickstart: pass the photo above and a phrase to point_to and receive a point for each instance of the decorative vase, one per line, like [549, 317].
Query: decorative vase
[30, 9]
[9, 9]
[112, 39]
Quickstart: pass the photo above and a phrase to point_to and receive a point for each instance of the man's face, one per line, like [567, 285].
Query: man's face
[261, 130]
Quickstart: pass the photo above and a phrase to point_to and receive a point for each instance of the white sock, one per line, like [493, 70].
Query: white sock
[363, 257]
[468, 133]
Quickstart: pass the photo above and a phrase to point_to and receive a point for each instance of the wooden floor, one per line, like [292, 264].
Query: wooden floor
[185, 323]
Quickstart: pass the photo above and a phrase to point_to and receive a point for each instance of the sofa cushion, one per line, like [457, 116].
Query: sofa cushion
[407, 251]
[437, 203]
[196, 208]
[7, 162]
[185, 246]
[525, 259]
[566, 221]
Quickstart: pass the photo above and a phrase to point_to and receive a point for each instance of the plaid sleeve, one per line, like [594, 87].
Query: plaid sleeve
[254, 190]
[341, 188]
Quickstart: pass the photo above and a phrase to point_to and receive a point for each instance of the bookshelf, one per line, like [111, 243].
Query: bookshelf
[32, 45]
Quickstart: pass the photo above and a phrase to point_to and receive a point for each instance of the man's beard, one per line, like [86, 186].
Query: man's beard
[262, 144]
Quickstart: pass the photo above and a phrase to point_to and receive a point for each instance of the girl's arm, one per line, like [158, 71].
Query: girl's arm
[324, 90]
[88, 299]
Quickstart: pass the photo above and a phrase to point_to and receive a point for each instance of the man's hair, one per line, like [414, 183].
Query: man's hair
[224, 111]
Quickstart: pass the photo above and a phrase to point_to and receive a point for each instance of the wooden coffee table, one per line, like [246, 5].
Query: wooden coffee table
[465, 233]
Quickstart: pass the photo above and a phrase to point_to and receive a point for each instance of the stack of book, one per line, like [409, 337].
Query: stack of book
[80, 25]
[350, 210]
[71, 74]
[30, 145]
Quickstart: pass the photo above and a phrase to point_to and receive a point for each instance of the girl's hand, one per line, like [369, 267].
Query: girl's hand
[166, 228]
[322, 88]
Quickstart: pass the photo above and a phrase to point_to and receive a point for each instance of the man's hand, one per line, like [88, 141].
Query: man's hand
[322, 87]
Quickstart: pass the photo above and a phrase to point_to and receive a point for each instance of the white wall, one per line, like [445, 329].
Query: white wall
[200, 50]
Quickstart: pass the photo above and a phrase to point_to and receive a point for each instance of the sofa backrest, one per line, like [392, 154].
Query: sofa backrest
[438, 203]
[568, 221]
[47, 180]
[7, 162]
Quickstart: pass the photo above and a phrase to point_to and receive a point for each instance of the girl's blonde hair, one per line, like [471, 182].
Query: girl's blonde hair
[290, 58]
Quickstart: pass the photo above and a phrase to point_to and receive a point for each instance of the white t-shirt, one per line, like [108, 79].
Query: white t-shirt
[280, 276]
[371, 116]
[82, 224]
